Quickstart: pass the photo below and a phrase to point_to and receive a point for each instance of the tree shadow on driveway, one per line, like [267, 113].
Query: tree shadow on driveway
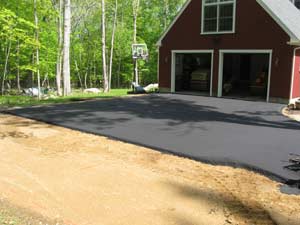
[172, 111]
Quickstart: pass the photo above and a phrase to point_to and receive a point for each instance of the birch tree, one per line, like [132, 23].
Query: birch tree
[59, 47]
[37, 54]
[135, 7]
[112, 42]
[66, 48]
[104, 66]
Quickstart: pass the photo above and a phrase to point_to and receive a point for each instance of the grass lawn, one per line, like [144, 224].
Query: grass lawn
[8, 101]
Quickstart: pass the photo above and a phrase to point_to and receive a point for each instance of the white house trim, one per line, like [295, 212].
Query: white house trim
[295, 43]
[240, 51]
[173, 66]
[173, 22]
[269, 75]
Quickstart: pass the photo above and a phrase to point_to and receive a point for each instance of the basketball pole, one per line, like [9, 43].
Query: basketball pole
[136, 71]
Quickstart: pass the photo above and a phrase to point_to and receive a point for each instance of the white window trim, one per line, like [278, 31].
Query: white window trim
[218, 32]
[173, 67]
[240, 51]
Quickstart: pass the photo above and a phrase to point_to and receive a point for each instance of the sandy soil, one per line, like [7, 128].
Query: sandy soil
[83, 179]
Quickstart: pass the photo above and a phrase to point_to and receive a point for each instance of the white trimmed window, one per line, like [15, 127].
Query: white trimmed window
[218, 16]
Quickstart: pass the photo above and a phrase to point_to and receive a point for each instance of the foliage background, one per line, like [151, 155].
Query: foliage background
[17, 29]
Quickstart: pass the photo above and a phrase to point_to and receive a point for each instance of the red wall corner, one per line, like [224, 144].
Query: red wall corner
[296, 81]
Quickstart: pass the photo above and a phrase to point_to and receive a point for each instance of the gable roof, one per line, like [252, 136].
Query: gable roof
[282, 11]
[285, 14]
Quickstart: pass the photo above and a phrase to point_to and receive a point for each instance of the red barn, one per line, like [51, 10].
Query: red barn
[233, 48]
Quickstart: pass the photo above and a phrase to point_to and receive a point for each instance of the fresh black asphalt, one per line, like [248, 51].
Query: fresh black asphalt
[221, 131]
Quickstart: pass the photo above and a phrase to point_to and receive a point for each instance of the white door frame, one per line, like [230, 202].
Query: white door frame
[241, 51]
[173, 66]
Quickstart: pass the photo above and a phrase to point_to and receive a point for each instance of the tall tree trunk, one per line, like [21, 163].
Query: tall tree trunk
[119, 72]
[89, 75]
[59, 49]
[136, 5]
[78, 74]
[112, 44]
[66, 48]
[120, 53]
[45, 80]
[104, 66]
[85, 80]
[8, 48]
[95, 71]
[18, 61]
[32, 71]
[18, 66]
[36, 20]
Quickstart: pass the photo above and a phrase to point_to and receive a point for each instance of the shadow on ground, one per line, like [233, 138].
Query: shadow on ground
[177, 111]
[235, 209]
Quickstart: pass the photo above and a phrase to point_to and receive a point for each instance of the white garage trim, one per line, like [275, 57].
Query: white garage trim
[241, 51]
[173, 66]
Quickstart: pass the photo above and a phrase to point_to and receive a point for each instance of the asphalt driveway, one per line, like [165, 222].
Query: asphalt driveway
[223, 131]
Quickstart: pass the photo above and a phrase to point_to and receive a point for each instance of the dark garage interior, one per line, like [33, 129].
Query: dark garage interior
[245, 75]
[193, 73]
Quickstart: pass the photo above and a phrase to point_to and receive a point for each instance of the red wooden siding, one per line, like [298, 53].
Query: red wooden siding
[296, 83]
[255, 29]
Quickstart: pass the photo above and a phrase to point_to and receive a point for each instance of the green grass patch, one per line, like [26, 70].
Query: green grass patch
[8, 101]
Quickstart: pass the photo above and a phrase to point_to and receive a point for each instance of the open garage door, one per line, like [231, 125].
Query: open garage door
[192, 72]
[245, 75]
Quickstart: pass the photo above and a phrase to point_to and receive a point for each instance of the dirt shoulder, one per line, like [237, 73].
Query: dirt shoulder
[84, 179]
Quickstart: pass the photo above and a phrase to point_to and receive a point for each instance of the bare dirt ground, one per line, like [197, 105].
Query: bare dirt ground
[83, 179]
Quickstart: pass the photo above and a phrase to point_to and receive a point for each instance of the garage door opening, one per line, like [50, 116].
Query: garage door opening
[246, 75]
[193, 73]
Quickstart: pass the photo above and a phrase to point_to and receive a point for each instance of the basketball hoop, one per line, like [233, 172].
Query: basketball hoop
[140, 51]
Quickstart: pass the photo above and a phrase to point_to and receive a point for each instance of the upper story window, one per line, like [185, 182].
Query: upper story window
[296, 2]
[218, 16]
